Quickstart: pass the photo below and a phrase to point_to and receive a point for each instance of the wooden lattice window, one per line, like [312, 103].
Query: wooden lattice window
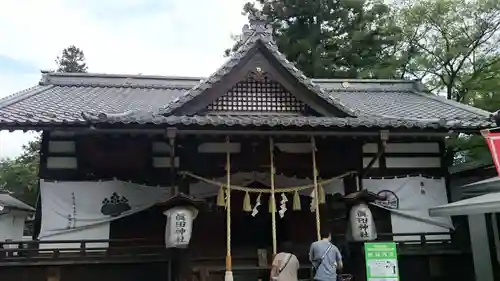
[258, 95]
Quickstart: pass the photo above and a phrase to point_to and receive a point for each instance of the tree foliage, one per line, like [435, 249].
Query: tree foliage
[456, 43]
[334, 38]
[20, 175]
[457, 55]
[71, 60]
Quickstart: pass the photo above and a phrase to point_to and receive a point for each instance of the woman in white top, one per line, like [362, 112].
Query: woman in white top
[285, 265]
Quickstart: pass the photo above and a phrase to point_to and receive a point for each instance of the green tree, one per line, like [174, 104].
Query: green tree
[455, 43]
[456, 55]
[71, 60]
[335, 38]
[20, 174]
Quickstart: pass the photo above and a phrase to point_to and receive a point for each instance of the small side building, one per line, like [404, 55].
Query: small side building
[13, 215]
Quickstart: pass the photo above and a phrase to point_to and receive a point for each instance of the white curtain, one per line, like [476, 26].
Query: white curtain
[77, 205]
[415, 195]
[203, 189]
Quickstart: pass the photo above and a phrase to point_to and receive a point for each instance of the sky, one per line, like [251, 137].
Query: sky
[151, 37]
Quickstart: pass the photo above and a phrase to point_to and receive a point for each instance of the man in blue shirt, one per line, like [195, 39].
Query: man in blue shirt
[325, 258]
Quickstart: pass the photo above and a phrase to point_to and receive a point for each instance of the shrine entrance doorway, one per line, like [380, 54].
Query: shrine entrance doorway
[250, 233]
[255, 232]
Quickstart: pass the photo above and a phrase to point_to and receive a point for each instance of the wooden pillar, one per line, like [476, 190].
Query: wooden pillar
[354, 260]
[171, 136]
[350, 184]
[176, 261]
[184, 258]
[481, 255]
[181, 264]
[53, 274]
[42, 173]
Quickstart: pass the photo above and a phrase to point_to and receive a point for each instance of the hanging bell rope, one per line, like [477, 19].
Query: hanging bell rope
[270, 203]
[272, 200]
[316, 189]
[229, 274]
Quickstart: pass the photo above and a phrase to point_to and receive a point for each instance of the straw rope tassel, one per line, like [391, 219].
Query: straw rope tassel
[229, 274]
[221, 200]
[316, 190]
[271, 198]
[247, 207]
[322, 195]
[296, 201]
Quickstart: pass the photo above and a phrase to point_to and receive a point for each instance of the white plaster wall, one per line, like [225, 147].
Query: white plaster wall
[409, 147]
[412, 162]
[12, 226]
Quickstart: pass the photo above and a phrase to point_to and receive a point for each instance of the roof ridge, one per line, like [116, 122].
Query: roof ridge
[22, 95]
[108, 75]
[362, 80]
[116, 85]
[362, 90]
[465, 107]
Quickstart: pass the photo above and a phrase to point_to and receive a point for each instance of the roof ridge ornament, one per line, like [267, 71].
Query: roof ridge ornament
[258, 26]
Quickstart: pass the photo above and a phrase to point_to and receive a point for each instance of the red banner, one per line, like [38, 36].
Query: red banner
[493, 140]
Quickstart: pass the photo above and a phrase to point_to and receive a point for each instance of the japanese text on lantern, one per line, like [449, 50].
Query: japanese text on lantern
[362, 221]
[180, 227]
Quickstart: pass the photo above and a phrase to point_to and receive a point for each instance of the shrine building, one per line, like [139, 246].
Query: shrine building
[189, 178]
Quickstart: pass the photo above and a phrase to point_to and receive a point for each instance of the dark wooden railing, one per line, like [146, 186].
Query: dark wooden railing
[436, 243]
[140, 250]
[80, 251]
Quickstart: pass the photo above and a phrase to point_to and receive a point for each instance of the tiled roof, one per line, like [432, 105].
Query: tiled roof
[393, 98]
[75, 99]
[62, 98]
[8, 201]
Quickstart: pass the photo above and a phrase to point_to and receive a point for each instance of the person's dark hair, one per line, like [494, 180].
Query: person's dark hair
[324, 233]
[287, 247]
